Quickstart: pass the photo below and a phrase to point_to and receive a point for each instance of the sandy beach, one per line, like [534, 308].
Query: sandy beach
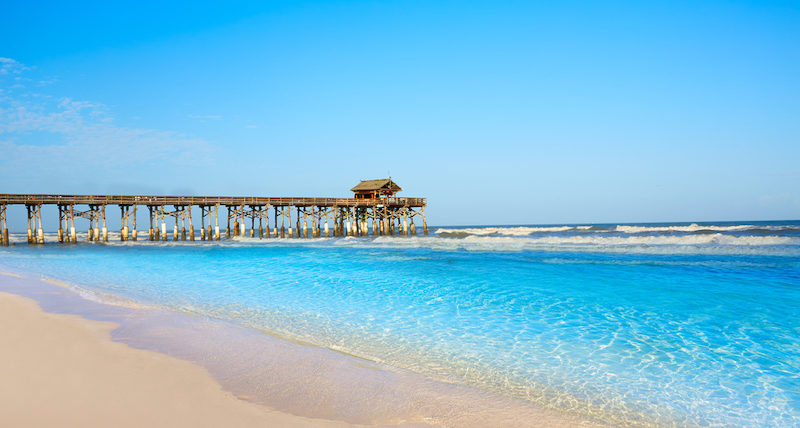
[64, 370]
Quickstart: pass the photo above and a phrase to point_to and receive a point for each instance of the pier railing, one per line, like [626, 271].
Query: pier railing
[37, 199]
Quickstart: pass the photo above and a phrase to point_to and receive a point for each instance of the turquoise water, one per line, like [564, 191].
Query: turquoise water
[688, 324]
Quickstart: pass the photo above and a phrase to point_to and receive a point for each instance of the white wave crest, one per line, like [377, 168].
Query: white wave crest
[691, 228]
[510, 231]
[710, 239]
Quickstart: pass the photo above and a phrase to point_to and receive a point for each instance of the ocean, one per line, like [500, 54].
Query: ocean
[690, 324]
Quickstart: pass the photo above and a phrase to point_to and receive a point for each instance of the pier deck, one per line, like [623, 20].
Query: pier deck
[39, 199]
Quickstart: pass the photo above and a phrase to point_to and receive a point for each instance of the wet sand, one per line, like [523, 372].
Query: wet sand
[65, 371]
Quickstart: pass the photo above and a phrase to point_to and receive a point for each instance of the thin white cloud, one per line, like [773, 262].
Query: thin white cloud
[10, 66]
[205, 117]
[57, 137]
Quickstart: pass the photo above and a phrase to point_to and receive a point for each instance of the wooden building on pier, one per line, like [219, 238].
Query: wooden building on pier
[374, 189]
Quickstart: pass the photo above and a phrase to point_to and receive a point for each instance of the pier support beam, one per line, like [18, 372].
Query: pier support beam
[335, 221]
[122, 235]
[313, 223]
[216, 222]
[353, 221]
[161, 215]
[3, 226]
[424, 223]
[175, 227]
[297, 224]
[275, 220]
[135, 232]
[342, 219]
[191, 226]
[289, 215]
[305, 222]
[385, 221]
[182, 213]
[39, 229]
[105, 229]
[317, 221]
[202, 223]
[228, 229]
[72, 232]
[266, 220]
[60, 224]
[96, 224]
[30, 231]
[260, 223]
[252, 223]
[405, 221]
[150, 232]
[374, 223]
[240, 217]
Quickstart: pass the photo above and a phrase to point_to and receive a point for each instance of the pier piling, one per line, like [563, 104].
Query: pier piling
[240, 216]
[289, 221]
[162, 216]
[135, 232]
[202, 223]
[216, 222]
[228, 229]
[3, 226]
[73, 233]
[30, 232]
[105, 230]
[424, 224]
[60, 224]
[150, 232]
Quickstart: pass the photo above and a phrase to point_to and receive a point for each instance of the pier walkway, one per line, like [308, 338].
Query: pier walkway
[347, 216]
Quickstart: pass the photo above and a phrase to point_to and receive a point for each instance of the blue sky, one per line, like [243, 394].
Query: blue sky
[498, 112]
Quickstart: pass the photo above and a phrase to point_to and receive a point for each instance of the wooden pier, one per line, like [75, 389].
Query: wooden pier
[379, 214]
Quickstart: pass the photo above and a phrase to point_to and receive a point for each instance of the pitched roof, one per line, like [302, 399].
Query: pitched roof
[384, 183]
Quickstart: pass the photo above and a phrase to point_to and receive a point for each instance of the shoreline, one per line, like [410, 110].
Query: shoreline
[315, 383]
[69, 367]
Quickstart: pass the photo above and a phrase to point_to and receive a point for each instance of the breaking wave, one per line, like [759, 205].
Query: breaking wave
[507, 231]
[663, 244]
[717, 239]
[626, 229]
[690, 228]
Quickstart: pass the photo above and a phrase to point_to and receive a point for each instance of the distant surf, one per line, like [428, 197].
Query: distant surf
[691, 238]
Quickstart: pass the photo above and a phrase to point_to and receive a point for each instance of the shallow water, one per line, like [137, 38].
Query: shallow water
[671, 324]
